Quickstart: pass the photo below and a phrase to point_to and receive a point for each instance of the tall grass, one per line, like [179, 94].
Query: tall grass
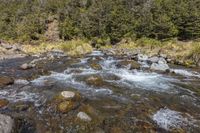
[73, 47]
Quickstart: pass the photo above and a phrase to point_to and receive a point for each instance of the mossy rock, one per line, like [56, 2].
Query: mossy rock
[65, 106]
[129, 63]
[95, 80]
[95, 66]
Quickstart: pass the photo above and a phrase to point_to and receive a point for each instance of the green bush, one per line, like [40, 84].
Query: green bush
[148, 42]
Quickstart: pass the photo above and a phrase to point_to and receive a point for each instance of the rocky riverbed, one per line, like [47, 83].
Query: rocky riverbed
[98, 92]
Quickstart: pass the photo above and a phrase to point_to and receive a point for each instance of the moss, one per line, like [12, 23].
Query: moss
[65, 106]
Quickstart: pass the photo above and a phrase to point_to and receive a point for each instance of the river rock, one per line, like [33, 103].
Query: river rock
[142, 57]
[4, 80]
[129, 63]
[162, 61]
[6, 124]
[94, 80]
[21, 82]
[84, 117]
[159, 67]
[163, 56]
[26, 66]
[95, 66]
[65, 106]
[3, 103]
[68, 95]
[153, 59]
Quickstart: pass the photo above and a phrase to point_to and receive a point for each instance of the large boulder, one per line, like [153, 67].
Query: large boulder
[4, 80]
[131, 64]
[159, 67]
[6, 124]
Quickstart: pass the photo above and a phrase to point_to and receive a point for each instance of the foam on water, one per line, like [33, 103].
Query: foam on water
[14, 96]
[96, 53]
[187, 73]
[170, 119]
[46, 80]
[70, 81]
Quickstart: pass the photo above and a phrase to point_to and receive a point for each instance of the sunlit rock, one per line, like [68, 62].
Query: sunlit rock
[26, 66]
[84, 117]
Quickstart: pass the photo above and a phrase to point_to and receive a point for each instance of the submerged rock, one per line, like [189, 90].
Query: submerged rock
[4, 80]
[66, 101]
[6, 124]
[3, 102]
[84, 117]
[95, 80]
[95, 66]
[65, 106]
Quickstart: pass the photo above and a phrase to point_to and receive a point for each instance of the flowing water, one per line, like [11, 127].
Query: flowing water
[119, 100]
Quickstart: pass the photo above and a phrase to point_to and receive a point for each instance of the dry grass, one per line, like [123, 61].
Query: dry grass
[73, 47]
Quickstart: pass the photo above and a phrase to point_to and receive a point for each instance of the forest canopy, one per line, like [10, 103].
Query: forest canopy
[26, 20]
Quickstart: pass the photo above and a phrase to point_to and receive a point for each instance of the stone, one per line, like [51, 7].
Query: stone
[26, 66]
[163, 56]
[94, 80]
[65, 106]
[159, 67]
[131, 64]
[68, 94]
[95, 66]
[4, 81]
[6, 124]
[141, 57]
[162, 61]
[84, 117]
[21, 82]
[153, 59]
[3, 103]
